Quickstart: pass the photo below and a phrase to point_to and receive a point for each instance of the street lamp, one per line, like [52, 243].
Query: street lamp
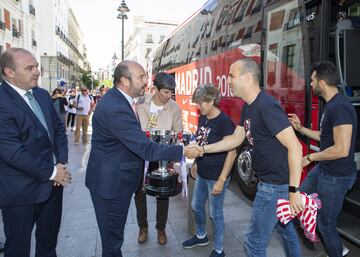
[123, 9]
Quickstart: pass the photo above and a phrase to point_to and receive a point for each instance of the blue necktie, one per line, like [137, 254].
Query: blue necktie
[36, 109]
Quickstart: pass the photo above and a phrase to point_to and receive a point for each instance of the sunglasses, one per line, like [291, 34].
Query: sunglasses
[84, 90]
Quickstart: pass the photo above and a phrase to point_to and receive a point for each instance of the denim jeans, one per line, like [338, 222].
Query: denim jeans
[202, 191]
[263, 221]
[331, 191]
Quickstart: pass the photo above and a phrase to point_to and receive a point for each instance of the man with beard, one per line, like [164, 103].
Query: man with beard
[335, 173]
[33, 154]
[119, 147]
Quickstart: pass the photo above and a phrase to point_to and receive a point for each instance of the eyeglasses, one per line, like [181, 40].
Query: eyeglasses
[83, 90]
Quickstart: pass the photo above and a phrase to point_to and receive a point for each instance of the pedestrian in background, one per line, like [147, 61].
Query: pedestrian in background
[60, 102]
[84, 103]
[156, 111]
[71, 110]
[33, 157]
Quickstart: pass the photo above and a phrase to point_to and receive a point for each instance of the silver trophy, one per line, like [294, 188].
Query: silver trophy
[161, 182]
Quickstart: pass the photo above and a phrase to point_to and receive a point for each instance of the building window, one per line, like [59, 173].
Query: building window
[289, 53]
[277, 20]
[162, 37]
[148, 50]
[149, 38]
[294, 19]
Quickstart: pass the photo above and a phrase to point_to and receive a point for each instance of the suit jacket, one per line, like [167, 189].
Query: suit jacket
[26, 149]
[118, 149]
[169, 118]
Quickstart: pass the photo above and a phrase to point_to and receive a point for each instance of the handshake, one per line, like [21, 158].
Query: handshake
[63, 175]
[193, 151]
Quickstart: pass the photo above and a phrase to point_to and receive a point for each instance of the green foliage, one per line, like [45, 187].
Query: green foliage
[86, 78]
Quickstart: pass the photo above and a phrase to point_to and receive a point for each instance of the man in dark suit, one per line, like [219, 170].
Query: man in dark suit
[33, 157]
[119, 147]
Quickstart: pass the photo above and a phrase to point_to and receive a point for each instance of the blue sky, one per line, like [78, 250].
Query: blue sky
[102, 31]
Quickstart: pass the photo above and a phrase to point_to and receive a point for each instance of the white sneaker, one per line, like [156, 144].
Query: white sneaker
[345, 251]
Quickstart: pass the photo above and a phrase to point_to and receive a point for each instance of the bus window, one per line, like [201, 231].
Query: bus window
[283, 62]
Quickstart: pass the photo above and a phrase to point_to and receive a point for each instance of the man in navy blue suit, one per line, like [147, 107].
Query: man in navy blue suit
[33, 157]
[119, 148]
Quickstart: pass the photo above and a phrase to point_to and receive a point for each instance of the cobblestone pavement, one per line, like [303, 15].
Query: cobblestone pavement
[79, 235]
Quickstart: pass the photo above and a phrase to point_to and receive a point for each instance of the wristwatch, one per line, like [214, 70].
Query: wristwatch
[293, 189]
[308, 157]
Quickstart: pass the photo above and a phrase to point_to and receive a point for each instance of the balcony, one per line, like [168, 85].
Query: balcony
[31, 9]
[33, 42]
[2, 25]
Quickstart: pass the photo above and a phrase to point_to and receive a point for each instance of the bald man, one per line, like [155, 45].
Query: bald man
[33, 157]
[276, 154]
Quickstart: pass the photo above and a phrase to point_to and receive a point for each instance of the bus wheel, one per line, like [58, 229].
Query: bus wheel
[244, 173]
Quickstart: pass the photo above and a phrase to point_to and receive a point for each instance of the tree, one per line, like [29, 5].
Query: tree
[86, 78]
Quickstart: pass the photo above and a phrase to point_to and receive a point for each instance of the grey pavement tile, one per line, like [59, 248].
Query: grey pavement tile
[78, 219]
[77, 243]
[163, 251]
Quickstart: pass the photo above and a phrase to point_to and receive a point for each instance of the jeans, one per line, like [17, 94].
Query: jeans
[202, 191]
[263, 221]
[331, 191]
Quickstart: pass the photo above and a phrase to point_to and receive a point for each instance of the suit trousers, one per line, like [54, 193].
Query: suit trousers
[19, 221]
[162, 205]
[111, 218]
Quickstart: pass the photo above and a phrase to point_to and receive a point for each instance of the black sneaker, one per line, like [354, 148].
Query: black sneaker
[195, 241]
[216, 254]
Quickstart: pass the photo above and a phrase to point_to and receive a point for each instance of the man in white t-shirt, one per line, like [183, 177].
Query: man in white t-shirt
[84, 103]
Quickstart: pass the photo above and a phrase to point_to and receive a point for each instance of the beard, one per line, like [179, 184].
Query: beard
[137, 91]
[317, 90]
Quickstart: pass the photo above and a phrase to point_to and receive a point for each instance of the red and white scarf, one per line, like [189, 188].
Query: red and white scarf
[307, 217]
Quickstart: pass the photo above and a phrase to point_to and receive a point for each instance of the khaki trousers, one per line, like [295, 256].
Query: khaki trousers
[82, 121]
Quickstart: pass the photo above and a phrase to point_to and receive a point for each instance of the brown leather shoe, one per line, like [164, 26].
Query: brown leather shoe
[143, 235]
[162, 238]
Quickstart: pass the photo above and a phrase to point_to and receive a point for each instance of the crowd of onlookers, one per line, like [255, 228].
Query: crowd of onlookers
[74, 107]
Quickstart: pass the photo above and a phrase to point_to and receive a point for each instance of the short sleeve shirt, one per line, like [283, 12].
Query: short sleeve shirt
[263, 120]
[211, 131]
[338, 111]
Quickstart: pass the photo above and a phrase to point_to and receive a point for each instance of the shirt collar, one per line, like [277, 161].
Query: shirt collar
[128, 98]
[20, 91]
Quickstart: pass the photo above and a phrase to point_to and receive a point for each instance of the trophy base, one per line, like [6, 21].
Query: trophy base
[163, 187]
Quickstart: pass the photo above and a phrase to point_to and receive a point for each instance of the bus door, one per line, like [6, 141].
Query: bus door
[346, 50]
[285, 60]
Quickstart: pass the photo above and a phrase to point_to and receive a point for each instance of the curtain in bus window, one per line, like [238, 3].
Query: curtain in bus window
[283, 58]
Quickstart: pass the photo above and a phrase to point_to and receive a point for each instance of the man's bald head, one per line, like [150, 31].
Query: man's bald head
[7, 59]
[248, 65]
[123, 69]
